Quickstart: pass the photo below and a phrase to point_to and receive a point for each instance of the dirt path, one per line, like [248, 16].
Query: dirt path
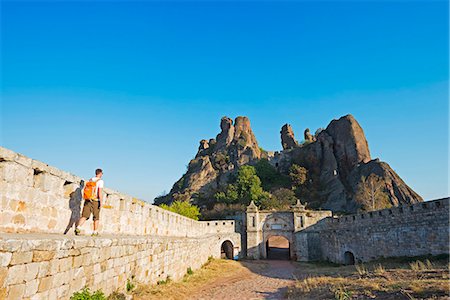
[266, 279]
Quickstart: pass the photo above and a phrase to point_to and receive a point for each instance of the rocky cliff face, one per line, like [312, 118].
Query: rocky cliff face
[340, 158]
[216, 160]
[337, 159]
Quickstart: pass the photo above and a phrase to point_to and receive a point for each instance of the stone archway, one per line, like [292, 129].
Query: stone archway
[349, 258]
[278, 247]
[226, 250]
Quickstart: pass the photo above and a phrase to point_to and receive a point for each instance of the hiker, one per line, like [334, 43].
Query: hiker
[93, 196]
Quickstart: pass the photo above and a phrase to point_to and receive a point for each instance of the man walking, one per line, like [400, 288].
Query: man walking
[93, 196]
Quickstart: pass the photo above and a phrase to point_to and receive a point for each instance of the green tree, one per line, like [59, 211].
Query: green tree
[285, 197]
[183, 208]
[246, 188]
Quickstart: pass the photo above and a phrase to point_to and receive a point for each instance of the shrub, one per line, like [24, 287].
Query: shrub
[183, 208]
[130, 285]
[189, 271]
[86, 294]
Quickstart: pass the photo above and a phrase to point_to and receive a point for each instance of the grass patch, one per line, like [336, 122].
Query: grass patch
[395, 279]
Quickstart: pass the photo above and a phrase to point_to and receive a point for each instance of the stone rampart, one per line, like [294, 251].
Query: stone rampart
[36, 266]
[137, 240]
[412, 230]
[36, 197]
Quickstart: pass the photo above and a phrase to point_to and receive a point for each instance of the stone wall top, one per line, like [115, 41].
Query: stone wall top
[405, 212]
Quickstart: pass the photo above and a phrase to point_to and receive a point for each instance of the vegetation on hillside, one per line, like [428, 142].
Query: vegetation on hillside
[183, 208]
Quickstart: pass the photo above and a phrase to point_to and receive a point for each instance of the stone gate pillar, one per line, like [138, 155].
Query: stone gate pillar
[299, 216]
[298, 247]
[254, 232]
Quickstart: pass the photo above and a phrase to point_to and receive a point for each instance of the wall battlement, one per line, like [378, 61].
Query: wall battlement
[399, 213]
[411, 230]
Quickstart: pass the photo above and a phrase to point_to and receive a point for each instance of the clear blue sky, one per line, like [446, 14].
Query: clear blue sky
[147, 80]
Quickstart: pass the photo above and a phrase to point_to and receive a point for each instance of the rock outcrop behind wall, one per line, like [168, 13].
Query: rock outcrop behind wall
[216, 160]
[408, 230]
[337, 160]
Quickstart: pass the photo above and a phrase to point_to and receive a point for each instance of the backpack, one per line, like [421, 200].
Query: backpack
[90, 190]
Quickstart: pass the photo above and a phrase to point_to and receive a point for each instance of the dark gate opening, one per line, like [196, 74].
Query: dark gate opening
[226, 250]
[349, 258]
[278, 247]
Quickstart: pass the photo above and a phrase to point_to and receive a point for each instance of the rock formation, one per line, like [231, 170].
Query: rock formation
[287, 137]
[216, 160]
[337, 160]
[309, 138]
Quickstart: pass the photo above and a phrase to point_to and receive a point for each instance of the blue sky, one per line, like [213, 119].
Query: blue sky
[148, 80]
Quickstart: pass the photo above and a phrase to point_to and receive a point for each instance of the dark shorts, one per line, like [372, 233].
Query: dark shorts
[91, 207]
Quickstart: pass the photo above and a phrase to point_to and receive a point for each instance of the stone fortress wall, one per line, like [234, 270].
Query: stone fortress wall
[36, 197]
[137, 239]
[409, 230]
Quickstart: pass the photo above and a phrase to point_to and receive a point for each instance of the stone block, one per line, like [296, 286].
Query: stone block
[5, 258]
[43, 255]
[40, 296]
[77, 284]
[8, 155]
[24, 161]
[63, 291]
[53, 267]
[31, 288]
[77, 261]
[45, 283]
[65, 264]
[43, 269]
[12, 172]
[21, 258]
[3, 274]
[15, 274]
[31, 271]
[16, 291]
[60, 279]
[47, 182]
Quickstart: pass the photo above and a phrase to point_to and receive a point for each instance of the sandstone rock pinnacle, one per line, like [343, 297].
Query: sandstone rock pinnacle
[287, 137]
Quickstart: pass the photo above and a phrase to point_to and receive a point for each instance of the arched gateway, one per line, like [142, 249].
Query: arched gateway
[264, 227]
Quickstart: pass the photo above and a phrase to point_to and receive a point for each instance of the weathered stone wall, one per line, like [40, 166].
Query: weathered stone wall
[36, 266]
[412, 230]
[36, 197]
[40, 202]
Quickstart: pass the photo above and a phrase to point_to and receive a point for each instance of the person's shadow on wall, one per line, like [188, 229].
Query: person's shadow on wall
[75, 206]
